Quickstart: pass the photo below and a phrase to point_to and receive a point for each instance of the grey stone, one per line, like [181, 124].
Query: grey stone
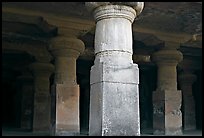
[114, 100]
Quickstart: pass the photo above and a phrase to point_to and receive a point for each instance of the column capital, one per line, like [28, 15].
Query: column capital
[103, 10]
[41, 69]
[167, 56]
[66, 47]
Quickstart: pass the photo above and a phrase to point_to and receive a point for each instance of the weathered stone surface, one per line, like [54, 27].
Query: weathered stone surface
[67, 109]
[66, 52]
[42, 112]
[137, 6]
[114, 102]
[167, 117]
[117, 74]
[114, 98]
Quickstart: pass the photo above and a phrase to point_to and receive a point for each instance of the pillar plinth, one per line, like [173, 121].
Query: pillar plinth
[186, 80]
[26, 81]
[167, 117]
[66, 52]
[42, 103]
[114, 98]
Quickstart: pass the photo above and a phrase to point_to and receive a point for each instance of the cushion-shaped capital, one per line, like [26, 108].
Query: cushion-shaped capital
[167, 56]
[63, 46]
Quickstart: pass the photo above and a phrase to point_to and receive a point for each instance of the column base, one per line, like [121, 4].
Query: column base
[114, 101]
[167, 117]
[168, 132]
[67, 110]
[42, 113]
[67, 133]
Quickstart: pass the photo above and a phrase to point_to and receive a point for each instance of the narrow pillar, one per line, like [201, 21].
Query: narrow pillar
[114, 79]
[167, 116]
[186, 80]
[66, 51]
[27, 94]
[42, 103]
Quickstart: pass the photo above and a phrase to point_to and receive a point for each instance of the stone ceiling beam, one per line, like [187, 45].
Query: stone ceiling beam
[70, 25]
[39, 52]
[35, 26]
[165, 36]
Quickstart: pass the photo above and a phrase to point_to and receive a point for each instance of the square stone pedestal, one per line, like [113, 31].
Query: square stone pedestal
[67, 110]
[114, 100]
[167, 116]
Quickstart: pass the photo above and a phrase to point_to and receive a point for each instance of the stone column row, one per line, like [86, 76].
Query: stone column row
[66, 52]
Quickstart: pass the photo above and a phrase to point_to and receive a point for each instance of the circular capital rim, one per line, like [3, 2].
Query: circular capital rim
[114, 11]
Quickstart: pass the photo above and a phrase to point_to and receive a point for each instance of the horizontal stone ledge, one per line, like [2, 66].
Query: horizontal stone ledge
[122, 74]
[113, 82]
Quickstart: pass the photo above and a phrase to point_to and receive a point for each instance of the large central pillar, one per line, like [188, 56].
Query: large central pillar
[114, 95]
[167, 117]
[66, 51]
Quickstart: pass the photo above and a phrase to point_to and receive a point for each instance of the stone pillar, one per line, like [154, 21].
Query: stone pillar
[27, 94]
[167, 117]
[66, 51]
[114, 95]
[42, 103]
[186, 80]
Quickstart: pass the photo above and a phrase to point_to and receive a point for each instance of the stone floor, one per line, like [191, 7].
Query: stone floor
[19, 132]
[185, 133]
